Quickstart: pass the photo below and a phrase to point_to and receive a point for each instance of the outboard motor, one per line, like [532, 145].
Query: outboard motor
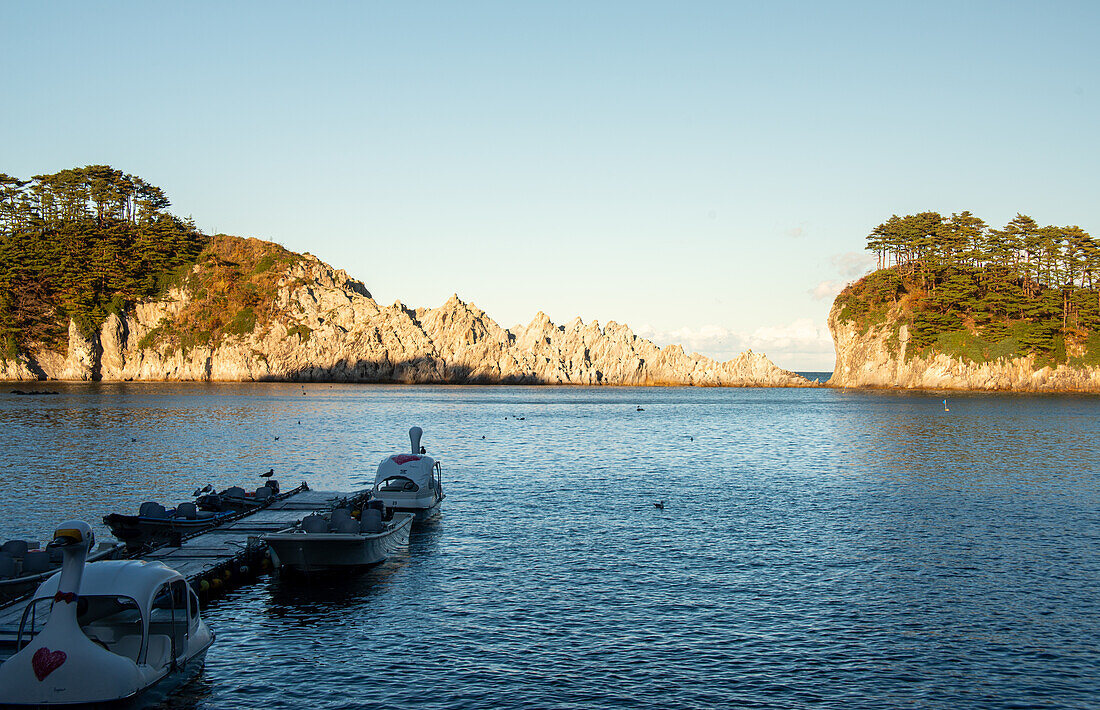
[380, 505]
[414, 436]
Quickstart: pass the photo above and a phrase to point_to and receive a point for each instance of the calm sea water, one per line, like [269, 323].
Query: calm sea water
[817, 548]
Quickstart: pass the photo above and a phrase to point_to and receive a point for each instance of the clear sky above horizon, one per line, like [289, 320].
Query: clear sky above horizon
[705, 172]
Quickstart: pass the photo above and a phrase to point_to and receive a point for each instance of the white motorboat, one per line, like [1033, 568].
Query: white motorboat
[103, 631]
[340, 541]
[410, 483]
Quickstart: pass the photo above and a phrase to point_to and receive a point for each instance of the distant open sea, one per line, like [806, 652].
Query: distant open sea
[818, 547]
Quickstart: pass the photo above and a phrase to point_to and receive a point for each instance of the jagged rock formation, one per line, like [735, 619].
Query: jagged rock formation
[876, 356]
[323, 325]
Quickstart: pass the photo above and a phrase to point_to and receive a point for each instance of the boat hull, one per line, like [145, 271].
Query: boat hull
[316, 552]
[138, 531]
[157, 689]
[422, 509]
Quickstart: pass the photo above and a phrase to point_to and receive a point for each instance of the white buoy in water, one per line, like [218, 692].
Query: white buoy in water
[414, 436]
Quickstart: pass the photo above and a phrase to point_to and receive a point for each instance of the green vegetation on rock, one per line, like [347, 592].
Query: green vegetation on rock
[981, 294]
[81, 244]
[84, 243]
[232, 290]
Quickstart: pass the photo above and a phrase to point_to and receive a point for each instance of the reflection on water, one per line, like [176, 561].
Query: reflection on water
[841, 549]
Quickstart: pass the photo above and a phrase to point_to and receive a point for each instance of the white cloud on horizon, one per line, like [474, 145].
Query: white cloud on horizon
[801, 344]
[853, 264]
[827, 289]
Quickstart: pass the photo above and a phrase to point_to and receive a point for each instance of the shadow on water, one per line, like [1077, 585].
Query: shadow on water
[295, 594]
[425, 536]
[194, 693]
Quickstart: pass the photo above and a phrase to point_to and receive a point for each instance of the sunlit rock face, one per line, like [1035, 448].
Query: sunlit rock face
[323, 325]
[878, 357]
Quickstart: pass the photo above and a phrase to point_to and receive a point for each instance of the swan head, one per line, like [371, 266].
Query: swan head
[73, 534]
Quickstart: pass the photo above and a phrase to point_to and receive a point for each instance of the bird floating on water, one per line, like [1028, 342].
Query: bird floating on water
[659, 505]
[276, 438]
[639, 409]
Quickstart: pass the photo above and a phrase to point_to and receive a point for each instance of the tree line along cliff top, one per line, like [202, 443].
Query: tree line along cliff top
[980, 293]
[83, 243]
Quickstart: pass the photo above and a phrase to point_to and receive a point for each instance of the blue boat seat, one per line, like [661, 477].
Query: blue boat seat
[152, 509]
[7, 566]
[338, 516]
[15, 548]
[234, 492]
[187, 511]
[346, 525]
[372, 521]
[36, 562]
[314, 524]
[263, 493]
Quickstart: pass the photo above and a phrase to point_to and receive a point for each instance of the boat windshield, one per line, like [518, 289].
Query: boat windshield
[113, 622]
[397, 483]
[169, 619]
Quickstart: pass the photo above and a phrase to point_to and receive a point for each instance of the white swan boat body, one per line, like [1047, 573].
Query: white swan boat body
[410, 483]
[339, 541]
[113, 629]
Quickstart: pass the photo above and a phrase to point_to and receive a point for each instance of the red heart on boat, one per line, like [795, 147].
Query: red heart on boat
[46, 661]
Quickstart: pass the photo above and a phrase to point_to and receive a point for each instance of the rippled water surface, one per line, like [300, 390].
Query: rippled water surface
[817, 547]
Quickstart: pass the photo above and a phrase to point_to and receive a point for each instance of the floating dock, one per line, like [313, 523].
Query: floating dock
[216, 559]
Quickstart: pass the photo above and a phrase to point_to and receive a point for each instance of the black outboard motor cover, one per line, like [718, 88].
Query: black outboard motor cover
[380, 506]
[273, 485]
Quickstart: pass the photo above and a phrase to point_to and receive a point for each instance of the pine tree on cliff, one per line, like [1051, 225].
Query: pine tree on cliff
[80, 243]
[1035, 288]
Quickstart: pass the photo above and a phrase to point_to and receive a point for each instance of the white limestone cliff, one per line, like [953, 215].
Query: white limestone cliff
[324, 325]
[879, 357]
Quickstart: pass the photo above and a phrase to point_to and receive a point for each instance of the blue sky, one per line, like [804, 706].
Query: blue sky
[705, 172]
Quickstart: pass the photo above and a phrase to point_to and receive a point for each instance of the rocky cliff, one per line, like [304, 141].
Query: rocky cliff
[296, 318]
[878, 355]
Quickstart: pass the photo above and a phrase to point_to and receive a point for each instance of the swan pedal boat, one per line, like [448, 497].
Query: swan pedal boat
[103, 632]
[410, 483]
[339, 541]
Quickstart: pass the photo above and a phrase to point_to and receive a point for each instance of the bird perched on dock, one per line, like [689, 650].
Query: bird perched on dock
[659, 505]
[268, 473]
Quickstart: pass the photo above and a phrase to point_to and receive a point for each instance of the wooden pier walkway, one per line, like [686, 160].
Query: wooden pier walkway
[216, 559]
